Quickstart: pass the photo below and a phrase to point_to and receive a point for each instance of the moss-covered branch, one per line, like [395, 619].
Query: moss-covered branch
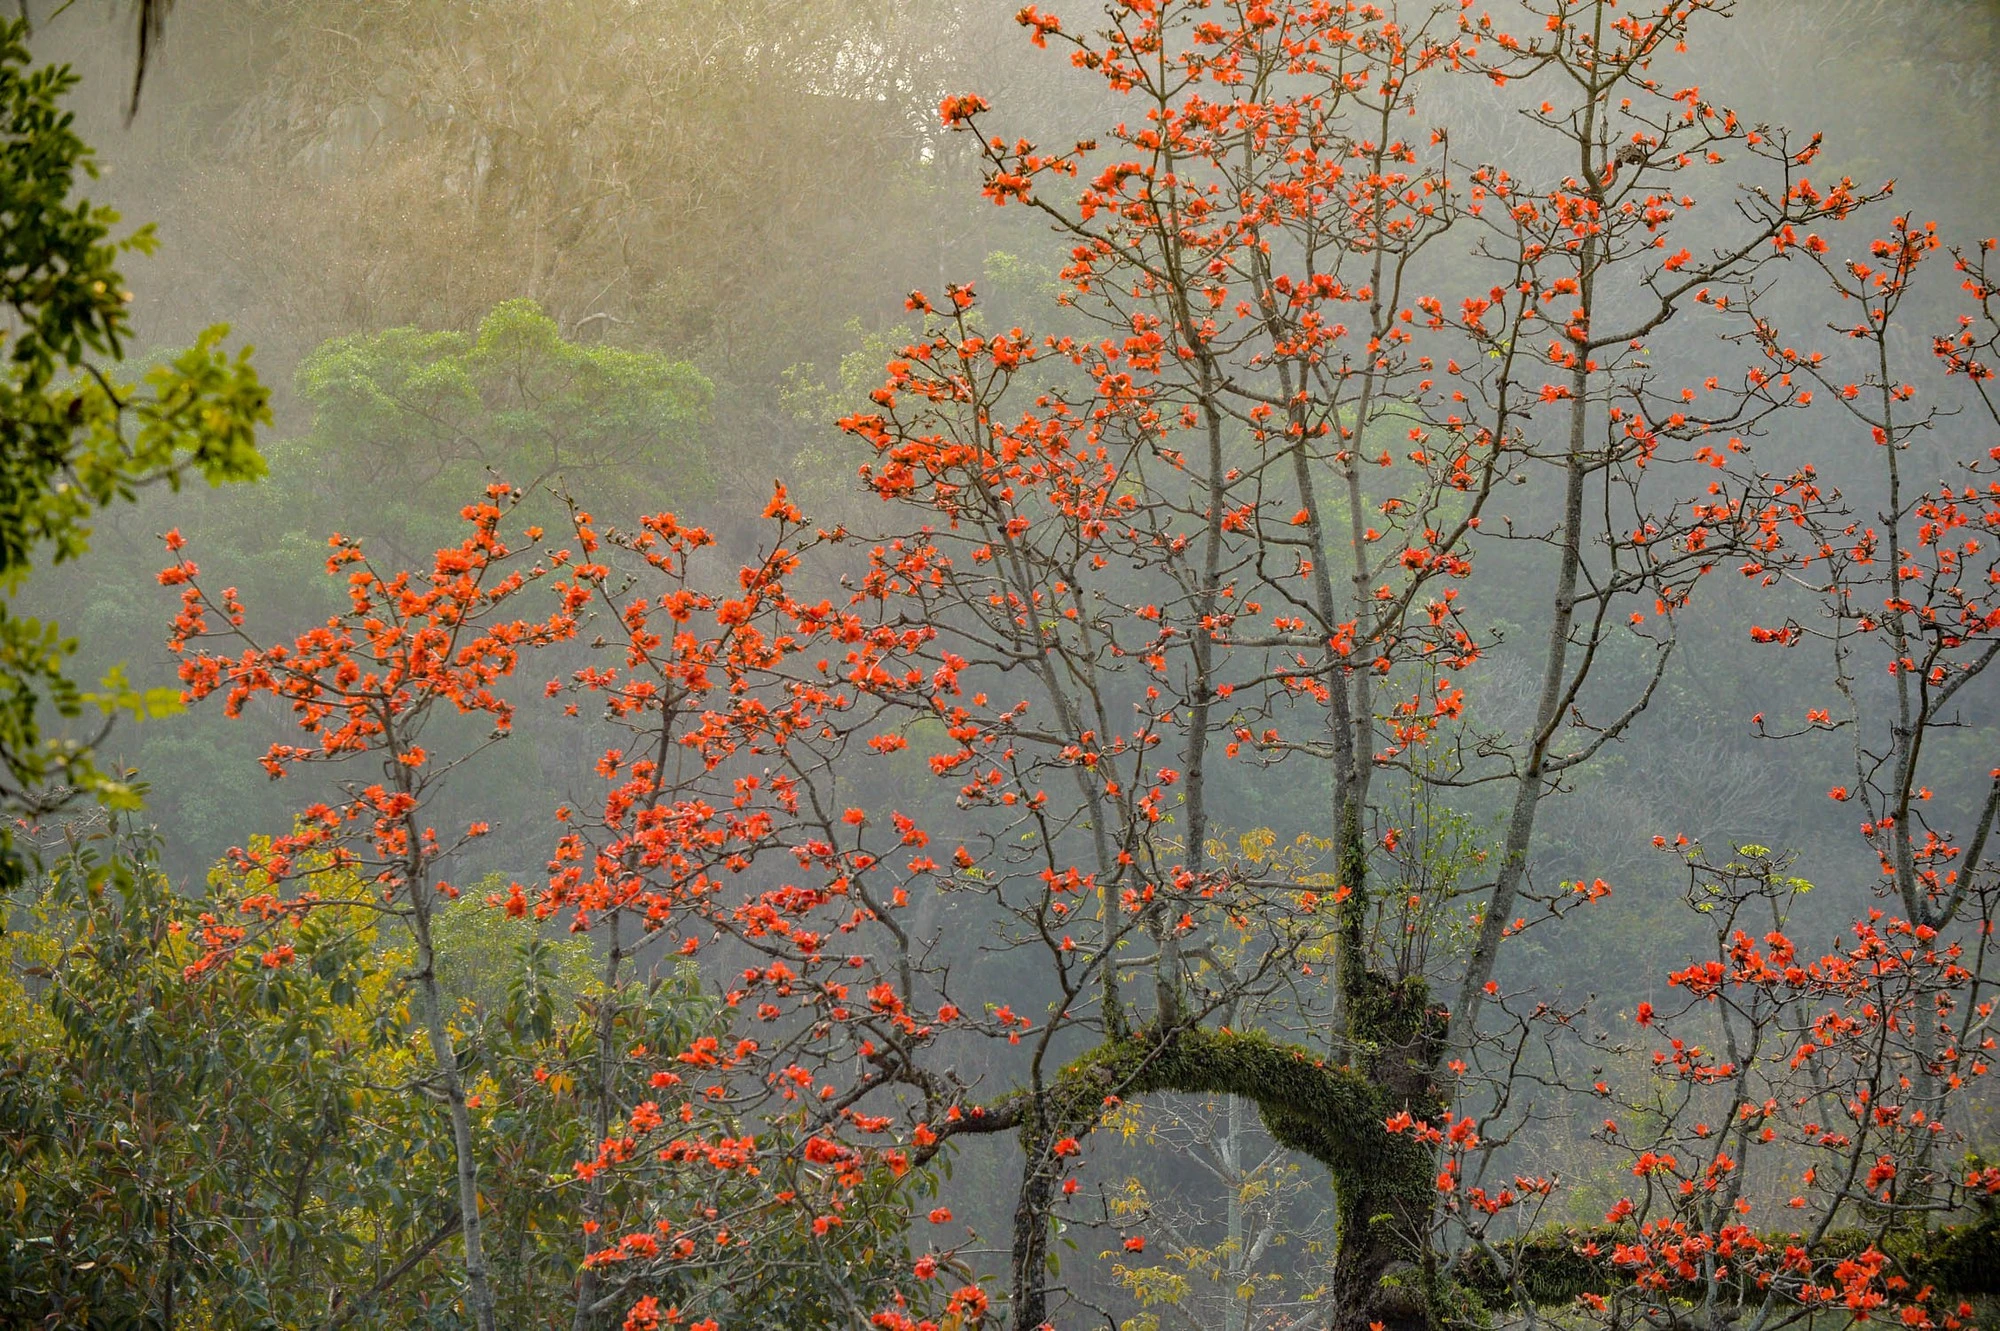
[1332, 1112]
[1324, 1110]
[1555, 1266]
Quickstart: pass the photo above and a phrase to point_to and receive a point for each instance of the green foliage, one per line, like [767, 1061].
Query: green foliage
[439, 412]
[260, 1146]
[237, 1145]
[501, 966]
[1965, 1259]
[73, 439]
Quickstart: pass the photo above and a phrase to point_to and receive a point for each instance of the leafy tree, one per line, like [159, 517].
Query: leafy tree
[427, 416]
[73, 438]
[236, 1148]
[371, 683]
[255, 1147]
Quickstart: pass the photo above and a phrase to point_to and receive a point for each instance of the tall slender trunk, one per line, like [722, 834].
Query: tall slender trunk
[607, 1091]
[1238, 1240]
[1529, 784]
[1202, 689]
[1906, 738]
[478, 1288]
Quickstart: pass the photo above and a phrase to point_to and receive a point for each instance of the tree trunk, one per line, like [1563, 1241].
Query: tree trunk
[607, 1090]
[1029, 1304]
[478, 1289]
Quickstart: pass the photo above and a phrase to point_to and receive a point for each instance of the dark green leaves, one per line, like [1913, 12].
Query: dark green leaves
[73, 438]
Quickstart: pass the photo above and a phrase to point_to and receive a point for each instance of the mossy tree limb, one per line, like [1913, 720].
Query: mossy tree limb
[1554, 1266]
[1329, 1111]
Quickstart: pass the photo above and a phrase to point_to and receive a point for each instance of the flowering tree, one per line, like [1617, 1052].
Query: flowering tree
[372, 684]
[1790, 1118]
[1910, 591]
[939, 808]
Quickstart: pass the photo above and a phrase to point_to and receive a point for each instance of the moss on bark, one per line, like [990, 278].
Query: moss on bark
[1555, 1266]
[1331, 1112]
